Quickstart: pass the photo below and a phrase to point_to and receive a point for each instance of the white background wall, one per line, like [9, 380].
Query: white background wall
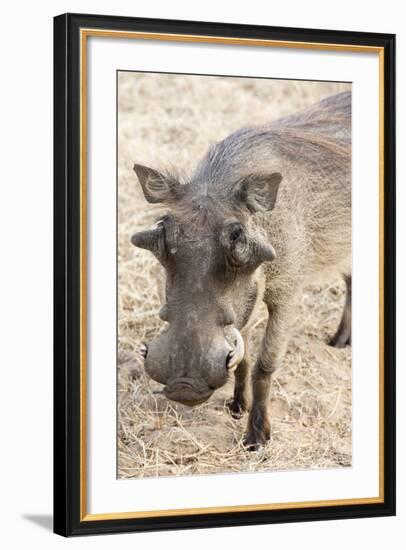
[26, 270]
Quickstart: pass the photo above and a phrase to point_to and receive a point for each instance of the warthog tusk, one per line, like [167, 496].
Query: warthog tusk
[143, 349]
[237, 353]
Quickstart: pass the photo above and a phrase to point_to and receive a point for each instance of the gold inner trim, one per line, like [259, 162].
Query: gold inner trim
[222, 509]
[84, 33]
[174, 37]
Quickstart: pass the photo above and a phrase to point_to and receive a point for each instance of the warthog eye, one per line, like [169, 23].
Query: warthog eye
[244, 250]
[236, 233]
[237, 245]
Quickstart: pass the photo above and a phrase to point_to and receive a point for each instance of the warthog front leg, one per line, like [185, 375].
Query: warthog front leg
[342, 337]
[272, 351]
[239, 403]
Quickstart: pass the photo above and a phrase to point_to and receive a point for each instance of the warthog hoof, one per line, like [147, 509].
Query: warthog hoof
[236, 408]
[340, 340]
[255, 439]
[258, 430]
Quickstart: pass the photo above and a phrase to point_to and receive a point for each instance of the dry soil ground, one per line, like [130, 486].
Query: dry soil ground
[170, 120]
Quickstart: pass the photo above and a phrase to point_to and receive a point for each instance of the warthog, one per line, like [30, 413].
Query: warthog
[267, 209]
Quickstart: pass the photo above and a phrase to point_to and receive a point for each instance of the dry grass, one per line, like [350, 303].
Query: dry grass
[167, 120]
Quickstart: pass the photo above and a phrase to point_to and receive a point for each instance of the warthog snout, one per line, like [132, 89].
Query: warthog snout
[187, 391]
[193, 366]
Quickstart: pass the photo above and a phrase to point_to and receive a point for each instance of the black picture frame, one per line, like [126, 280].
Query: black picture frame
[68, 520]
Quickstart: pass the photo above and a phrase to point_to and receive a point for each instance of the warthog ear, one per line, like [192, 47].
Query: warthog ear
[156, 186]
[259, 191]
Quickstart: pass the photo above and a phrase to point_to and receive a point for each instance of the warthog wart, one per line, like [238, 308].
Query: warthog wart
[267, 209]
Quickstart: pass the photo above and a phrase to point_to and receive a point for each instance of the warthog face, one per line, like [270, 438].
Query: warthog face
[210, 257]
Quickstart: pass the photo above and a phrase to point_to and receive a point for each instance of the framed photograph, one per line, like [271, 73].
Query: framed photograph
[224, 274]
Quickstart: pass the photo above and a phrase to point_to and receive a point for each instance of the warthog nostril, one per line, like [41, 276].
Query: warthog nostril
[143, 350]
